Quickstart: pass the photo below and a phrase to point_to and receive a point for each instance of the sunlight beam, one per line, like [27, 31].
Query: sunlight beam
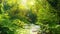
[26, 4]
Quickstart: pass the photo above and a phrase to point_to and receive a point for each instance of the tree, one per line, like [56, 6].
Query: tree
[15, 14]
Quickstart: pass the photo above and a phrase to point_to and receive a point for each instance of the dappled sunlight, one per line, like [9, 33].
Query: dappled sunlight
[29, 17]
[29, 29]
[34, 29]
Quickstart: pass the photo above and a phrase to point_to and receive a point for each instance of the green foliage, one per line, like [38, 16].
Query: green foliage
[16, 14]
[5, 30]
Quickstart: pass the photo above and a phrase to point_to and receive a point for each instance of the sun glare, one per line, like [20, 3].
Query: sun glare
[26, 4]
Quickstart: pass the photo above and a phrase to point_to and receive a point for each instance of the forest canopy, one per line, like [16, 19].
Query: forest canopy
[29, 16]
